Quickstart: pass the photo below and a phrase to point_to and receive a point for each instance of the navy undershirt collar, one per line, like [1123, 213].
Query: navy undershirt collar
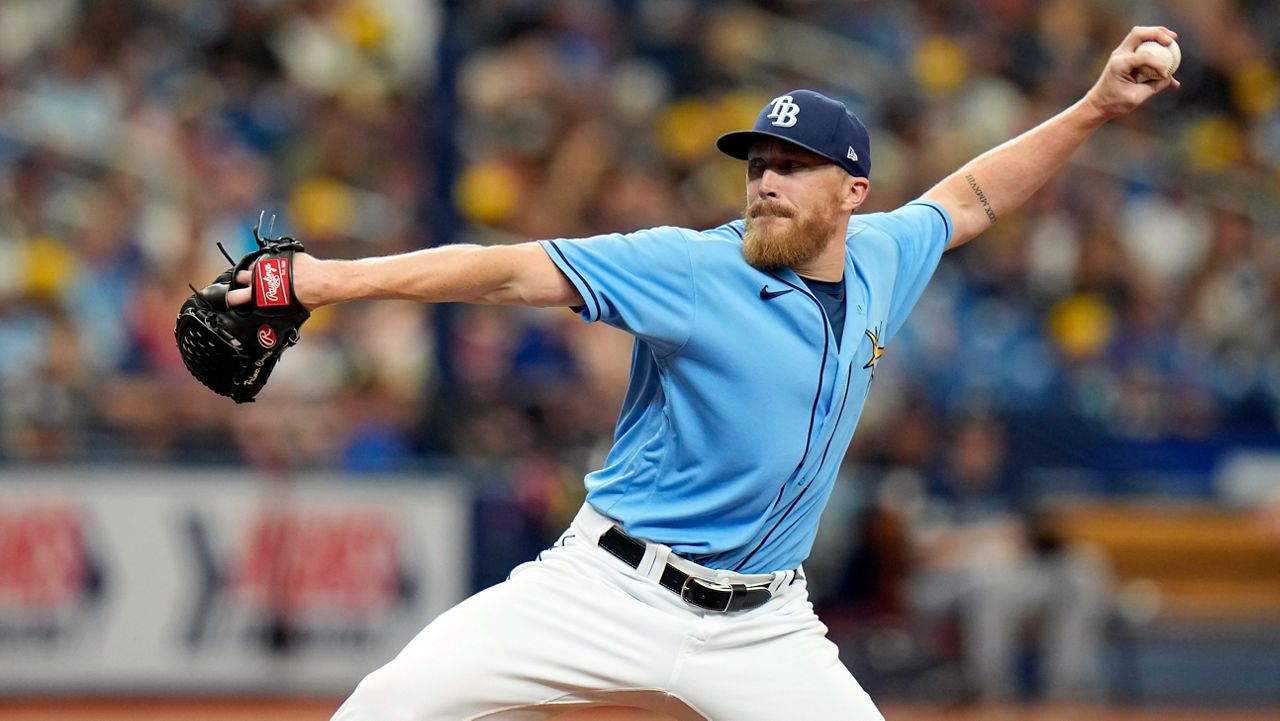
[831, 295]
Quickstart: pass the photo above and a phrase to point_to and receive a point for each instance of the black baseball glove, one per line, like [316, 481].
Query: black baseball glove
[233, 350]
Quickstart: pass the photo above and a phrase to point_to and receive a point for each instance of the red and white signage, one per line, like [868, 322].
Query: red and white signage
[219, 582]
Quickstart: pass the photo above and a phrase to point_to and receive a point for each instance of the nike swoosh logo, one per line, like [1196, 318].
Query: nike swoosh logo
[767, 294]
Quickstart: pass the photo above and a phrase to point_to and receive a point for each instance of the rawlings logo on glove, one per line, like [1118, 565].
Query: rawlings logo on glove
[267, 337]
[271, 273]
[230, 350]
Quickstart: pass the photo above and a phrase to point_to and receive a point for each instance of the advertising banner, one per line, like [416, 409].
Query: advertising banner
[180, 582]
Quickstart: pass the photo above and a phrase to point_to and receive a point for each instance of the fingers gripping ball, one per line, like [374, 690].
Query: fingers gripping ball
[1167, 56]
[232, 351]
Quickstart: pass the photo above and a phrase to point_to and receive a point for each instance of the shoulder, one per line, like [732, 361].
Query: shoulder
[670, 236]
[657, 241]
[917, 219]
[711, 240]
[723, 239]
[688, 243]
[664, 243]
[731, 231]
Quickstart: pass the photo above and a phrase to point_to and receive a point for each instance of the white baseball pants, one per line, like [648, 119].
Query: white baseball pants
[578, 627]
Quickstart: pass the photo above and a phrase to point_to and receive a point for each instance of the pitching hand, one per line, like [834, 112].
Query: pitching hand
[1118, 91]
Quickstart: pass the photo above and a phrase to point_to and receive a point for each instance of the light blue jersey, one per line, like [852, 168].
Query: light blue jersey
[741, 403]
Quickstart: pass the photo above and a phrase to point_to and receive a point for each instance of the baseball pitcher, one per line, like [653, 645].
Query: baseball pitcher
[679, 586]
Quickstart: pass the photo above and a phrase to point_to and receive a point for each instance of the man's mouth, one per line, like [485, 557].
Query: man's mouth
[765, 209]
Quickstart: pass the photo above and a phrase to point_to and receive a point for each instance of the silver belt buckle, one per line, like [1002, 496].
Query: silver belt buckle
[710, 585]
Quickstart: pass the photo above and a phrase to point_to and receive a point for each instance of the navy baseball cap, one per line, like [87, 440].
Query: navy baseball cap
[814, 122]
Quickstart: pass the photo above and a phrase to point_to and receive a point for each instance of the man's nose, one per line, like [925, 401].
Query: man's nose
[768, 187]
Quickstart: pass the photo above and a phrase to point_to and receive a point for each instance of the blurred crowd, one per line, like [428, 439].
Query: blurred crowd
[1132, 301]
[1134, 296]
[134, 137]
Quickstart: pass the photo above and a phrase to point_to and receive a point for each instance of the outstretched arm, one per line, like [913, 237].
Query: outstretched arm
[502, 275]
[1001, 179]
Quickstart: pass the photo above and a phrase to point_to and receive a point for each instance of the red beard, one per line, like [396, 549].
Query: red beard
[770, 245]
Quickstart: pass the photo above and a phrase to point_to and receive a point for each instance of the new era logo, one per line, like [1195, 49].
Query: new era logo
[852, 154]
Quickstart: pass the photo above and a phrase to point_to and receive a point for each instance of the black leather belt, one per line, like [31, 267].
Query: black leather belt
[707, 595]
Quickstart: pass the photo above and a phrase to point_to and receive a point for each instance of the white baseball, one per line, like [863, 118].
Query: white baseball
[1170, 56]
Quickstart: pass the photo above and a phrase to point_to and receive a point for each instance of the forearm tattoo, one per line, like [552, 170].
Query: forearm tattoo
[982, 198]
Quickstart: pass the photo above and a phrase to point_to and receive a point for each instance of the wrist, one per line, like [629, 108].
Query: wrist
[323, 283]
[1091, 112]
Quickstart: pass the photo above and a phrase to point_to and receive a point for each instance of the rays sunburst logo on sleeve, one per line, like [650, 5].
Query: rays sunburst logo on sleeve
[877, 350]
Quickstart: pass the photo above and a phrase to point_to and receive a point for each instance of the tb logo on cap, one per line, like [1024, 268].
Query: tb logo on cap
[784, 111]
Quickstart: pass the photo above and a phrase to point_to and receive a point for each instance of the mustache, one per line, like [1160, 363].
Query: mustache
[768, 208]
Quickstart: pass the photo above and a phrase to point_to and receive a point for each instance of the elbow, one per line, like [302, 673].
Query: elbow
[967, 203]
[524, 275]
[514, 293]
[968, 220]
[506, 291]
[964, 231]
[531, 296]
[552, 291]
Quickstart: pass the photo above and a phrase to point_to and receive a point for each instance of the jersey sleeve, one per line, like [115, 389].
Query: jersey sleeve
[920, 230]
[640, 282]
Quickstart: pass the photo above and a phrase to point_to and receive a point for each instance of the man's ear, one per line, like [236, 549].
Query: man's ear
[854, 193]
